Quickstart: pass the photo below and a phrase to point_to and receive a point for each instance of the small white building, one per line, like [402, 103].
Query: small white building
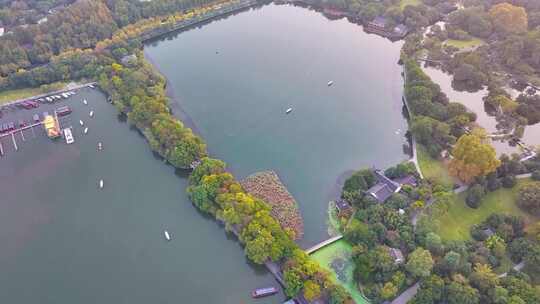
[1, 31]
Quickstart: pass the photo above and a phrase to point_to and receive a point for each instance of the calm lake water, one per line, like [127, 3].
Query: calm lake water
[235, 78]
[474, 102]
[66, 241]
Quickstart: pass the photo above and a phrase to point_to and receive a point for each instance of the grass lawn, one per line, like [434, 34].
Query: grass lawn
[456, 224]
[11, 95]
[463, 44]
[336, 258]
[404, 3]
[433, 169]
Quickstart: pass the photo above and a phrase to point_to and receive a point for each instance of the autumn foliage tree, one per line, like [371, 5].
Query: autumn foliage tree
[508, 19]
[472, 158]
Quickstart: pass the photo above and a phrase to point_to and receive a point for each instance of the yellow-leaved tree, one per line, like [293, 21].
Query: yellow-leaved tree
[472, 158]
[508, 18]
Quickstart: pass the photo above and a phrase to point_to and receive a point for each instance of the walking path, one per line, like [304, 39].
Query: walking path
[407, 295]
[526, 175]
[516, 267]
[414, 158]
[323, 243]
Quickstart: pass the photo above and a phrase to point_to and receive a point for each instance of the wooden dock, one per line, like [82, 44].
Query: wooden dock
[13, 139]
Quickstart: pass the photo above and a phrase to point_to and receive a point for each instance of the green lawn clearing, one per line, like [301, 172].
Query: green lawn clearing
[433, 169]
[464, 44]
[336, 258]
[11, 95]
[456, 224]
[404, 3]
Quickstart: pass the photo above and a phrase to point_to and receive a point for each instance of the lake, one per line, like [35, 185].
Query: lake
[235, 78]
[64, 240]
[474, 102]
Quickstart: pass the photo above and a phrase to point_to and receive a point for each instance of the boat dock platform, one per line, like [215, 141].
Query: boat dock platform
[20, 125]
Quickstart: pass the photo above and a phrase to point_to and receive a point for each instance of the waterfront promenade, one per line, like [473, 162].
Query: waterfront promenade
[199, 19]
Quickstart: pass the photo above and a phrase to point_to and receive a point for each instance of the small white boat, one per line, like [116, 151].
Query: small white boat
[100, 184]
[85, 102]
[167, 235]
[81, 122]
[99, 146]
[289, 110]
[91, 86]
[330, 83]
[91, 113]
[85, 130]
[68, 136]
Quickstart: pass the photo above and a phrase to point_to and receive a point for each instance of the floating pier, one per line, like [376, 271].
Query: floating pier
[14, 141]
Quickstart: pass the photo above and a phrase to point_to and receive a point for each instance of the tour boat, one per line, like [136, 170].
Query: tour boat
[167, 235]
[100, 184]
[81, 122]
[91, 113]
[85, 102]
[289, 110]
[68, 136]
[85, 130]
[263, 292]
[99, 146]
[330, 83]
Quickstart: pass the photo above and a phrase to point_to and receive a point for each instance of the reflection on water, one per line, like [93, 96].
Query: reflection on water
[486, 116]
[64, 240]
[281, 57]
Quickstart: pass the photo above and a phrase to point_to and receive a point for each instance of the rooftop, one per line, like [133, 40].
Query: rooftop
[342, 205]
[384, 188]
[407, 180]
[401, 30]
[396, 254]
[379, 21]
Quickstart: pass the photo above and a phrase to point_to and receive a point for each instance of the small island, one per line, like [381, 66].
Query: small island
[267, 186]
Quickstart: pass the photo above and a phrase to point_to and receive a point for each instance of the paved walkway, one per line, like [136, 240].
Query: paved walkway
[414, 158]
[516, 267]
[324, 243]
[407, 295]
[463, 188]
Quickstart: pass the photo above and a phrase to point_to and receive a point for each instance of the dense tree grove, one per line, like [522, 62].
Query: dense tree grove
[376, 228]
[414, 16]
[529, 198]
[447, 271]
[138, 91]
[216, 192]
[435, 121]
[13, 13]
[80, 25]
